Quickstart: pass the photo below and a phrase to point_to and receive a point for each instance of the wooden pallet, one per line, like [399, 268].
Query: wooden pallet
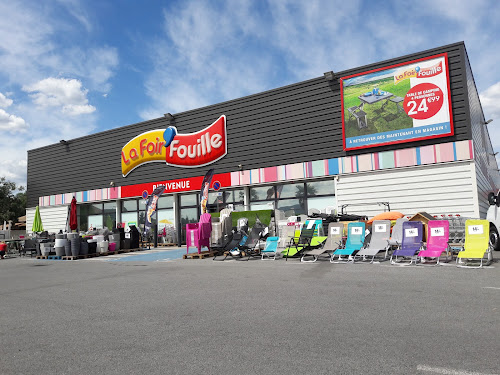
[42, 257]
[78, 257]
[166, 244]
[202, 255]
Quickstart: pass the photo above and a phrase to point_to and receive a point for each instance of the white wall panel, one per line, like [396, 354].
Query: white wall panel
[436, 189]
[53, 218]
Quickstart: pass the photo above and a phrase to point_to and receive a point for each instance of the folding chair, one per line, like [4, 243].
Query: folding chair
[354, 242]
[271, 248]
[297, 246]
[397, 232]
[252, 246]
[381, 231]
[438, 234]
[333, 242]
[28, 246]
[411, 243]
[232, 246]
[477, 243]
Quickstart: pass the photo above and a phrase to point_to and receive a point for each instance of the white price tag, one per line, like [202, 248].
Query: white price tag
[380, 227]
[310, 224]
[437, 232]
[412, 232]
[476, 229]
[356, 230]
[335, 230]
[127, 235]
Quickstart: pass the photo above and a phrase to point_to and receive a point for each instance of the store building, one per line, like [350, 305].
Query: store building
[408, 131]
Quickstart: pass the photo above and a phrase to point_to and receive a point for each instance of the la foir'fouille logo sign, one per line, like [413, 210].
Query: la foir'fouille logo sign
[180, 150]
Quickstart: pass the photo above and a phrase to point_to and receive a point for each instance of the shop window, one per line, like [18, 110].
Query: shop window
[292, 206]
[262, 193]
[189, 200]
[321, 203]
[166, 202]
[166, 225]
[290, 191]
[129, 206]
[320, 188]
[236, 196]
[129, 218]
[109, 215]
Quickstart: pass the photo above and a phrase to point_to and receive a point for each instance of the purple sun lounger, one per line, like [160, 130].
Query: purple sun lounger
[410, 244]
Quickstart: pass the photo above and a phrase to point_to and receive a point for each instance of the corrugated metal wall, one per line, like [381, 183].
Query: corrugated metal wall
[488, 178]
[53, 218]
[296, 123]
[436, 189]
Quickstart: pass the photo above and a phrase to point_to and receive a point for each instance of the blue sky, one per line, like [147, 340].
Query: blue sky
[70, 68]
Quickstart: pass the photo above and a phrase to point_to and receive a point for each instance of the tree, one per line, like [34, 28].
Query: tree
[12, 205]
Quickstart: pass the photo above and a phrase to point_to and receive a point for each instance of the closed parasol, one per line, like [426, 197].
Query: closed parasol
[73, 219]
[37, 221]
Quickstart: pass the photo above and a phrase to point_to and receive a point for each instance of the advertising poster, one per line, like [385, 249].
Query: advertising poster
[396, 104]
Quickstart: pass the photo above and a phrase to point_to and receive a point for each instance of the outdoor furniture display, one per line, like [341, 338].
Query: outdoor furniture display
[438, 232]
[29, 246]
[477, 243]
[397, 232]
[198, 234]
[232, 247]
[354, 242]
[252, 246]
[134, 236]
[270, 249]
[242, 224]
[297, 246]
[411, 243]
[333, 242]
[379, 241]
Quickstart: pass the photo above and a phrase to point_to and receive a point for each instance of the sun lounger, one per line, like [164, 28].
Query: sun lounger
[333, 242]
[410, 245]
[379, 242]
[477, 243]
[354, 242]
[438, 233]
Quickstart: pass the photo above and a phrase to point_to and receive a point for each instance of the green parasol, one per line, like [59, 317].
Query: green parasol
[37, 221]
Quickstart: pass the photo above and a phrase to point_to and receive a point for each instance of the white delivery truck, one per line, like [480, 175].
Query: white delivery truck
[493, 216]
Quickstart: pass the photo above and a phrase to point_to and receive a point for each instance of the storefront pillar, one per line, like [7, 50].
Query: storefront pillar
[247, 198]
[118, 212]
[177, 218]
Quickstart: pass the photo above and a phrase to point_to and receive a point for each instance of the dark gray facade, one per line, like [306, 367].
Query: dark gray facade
[296, 123]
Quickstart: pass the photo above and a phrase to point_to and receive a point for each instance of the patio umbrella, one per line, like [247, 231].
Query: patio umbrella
[73, 220]
[165, 221]
[37, 221]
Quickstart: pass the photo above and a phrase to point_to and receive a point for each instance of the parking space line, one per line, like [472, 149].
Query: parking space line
[448, 371]
[490, 287]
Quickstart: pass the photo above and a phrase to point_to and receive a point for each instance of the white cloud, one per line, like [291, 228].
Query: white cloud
[4, 101]
[489, 101]
[60, 92]
[12, 123]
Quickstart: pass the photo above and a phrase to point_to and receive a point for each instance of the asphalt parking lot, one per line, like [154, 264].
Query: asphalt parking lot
[255, 317]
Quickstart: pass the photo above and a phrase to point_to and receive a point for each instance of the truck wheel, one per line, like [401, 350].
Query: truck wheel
[494, 238]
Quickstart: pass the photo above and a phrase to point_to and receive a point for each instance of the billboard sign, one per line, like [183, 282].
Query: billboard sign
[400, 103]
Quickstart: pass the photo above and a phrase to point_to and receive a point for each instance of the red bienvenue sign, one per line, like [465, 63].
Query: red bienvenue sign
[173, 186]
